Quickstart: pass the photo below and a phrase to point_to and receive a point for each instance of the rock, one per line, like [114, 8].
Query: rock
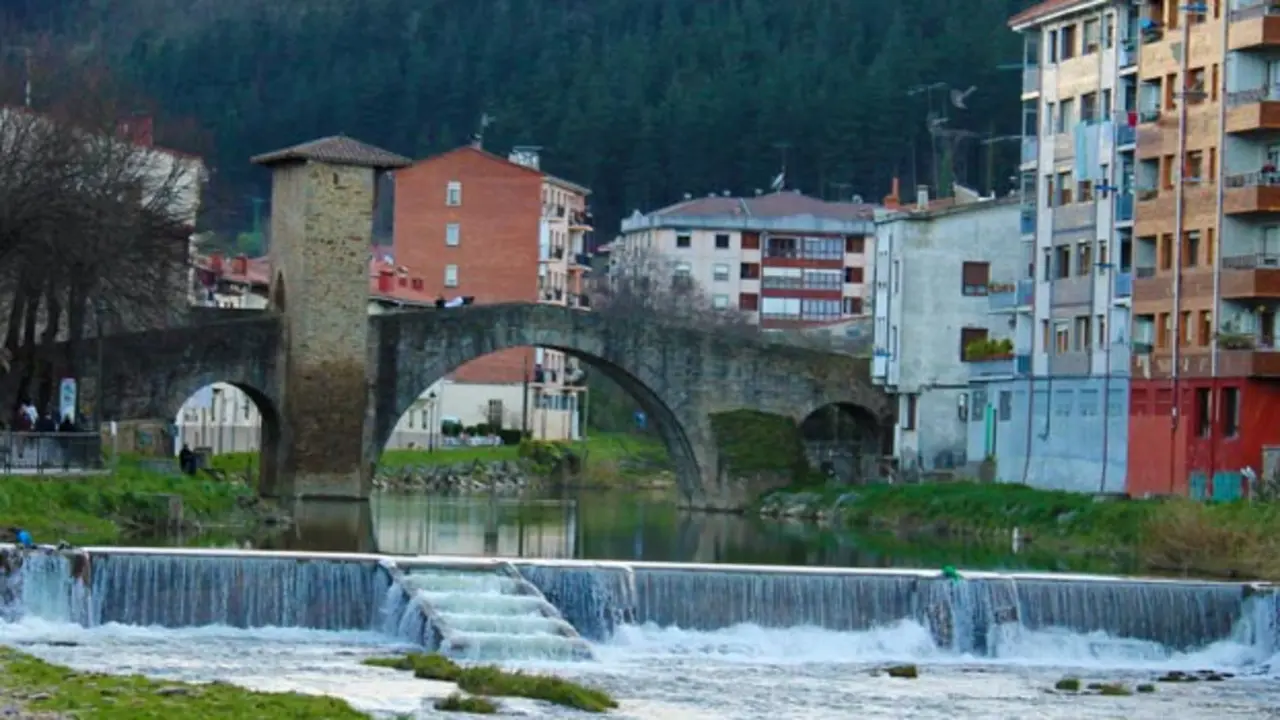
[1068, 684]
[501, 477]
[903, 671]
[37, 697]
[1146, 688]
[174, 690]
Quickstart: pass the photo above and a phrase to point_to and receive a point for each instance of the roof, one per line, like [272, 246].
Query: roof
[258, 275]
[498, 158]
[1042, 10]
[774, 205]
[336, 149]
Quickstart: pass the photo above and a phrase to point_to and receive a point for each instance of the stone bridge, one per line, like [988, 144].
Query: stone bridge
[332, 381]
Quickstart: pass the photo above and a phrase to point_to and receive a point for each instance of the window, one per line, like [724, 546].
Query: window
[1048, 264]
[451, 276]
[1195, 93]
[1163, 328]
[453, 194]
[451, 234]
[749, 302]
[494, 414]
[1166, 251]
[1084, 191]
[823, 280]
[853, 275]
[683, 270]
[1050, 194]
[722, 241]
[684, 240]
[1092, 36]
[1064, 188]
[1084, 259]
[1006, 405]
[974, 277]
[750, 241]
[1108, 30]
[1066, 116]
[1069, 48]
[1051, 47]
[1062, 262]
[1088, 107]
[1194, 170]
[720, 272]
[1105, 112]
[1191, 248]
[1185, 329]
[969, 336]
[749, 271]
[853, 306]
[1061, 338]
[1044, 335]
[1101, 323]
[1206, 328]
[978, 406]
[820, 309]
[1102, 255]
[1084, 334]
[1204, 412]
[720, 302]
[1230, 412]
[855, 245]
[909, 412]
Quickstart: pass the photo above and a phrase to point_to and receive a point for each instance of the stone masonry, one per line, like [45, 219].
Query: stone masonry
[331, 380]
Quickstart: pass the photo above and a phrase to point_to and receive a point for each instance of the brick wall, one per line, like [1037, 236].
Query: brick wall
[497, 250]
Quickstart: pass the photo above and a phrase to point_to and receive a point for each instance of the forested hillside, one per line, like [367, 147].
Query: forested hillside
[642, 100]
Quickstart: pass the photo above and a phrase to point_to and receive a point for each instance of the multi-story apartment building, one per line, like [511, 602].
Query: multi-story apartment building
[784, 259]
[938, 269]
[1208, 238]
[1063, 423]
[471, 223]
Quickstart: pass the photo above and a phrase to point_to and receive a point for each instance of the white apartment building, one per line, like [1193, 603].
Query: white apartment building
[784, 259]
[938, 271]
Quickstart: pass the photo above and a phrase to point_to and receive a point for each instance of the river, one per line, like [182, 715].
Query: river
[659, 671]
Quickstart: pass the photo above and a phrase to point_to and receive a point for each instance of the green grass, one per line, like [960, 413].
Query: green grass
[751, 442]
[1172, 535]
[457, 702]
[91, 696]
[488, 680]
[98, 509]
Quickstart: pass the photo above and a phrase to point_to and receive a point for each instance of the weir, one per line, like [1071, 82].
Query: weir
[486, 609]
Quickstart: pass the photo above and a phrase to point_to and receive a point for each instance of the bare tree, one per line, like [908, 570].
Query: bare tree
[645, 283]
[95, 222]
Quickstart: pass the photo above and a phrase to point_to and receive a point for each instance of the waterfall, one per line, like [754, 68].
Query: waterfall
[236, 590]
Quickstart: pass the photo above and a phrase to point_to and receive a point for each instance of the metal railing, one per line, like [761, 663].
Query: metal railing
[1028, 221]
[1124, 207]
[1253, 179]
[1126, 134]
[1251, 261]
[1145, 272]
[1251, 9]
[1266, 93]
[1031, 79]
[1123, 285]
[39, 453]
[1030, 149]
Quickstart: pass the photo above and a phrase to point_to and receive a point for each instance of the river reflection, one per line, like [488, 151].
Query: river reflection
[612, 526]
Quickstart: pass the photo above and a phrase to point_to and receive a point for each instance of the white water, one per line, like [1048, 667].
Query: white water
[741, 672]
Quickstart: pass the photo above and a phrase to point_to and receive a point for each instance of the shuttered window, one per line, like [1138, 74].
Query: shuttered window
[974, 278]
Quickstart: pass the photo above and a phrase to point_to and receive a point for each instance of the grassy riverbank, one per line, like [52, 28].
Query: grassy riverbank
[102, 508]
[610, 460]
[1225, 540]
[34, 686]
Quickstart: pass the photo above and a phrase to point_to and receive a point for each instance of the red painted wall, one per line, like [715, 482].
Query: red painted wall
[1155, 450]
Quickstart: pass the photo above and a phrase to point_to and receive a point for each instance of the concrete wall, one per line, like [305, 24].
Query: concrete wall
[1068, 425]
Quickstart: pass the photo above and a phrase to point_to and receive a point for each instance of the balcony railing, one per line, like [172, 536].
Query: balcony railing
[582, 259]
[1143, 347]
[1144, 272]
[1000, 367]
[1253, 179]
[1148, 116]
[25, 452]
[1128, 54]
[1266, 93]
[1030, 149]
[1126, 134]
[1252, 261]
[1010, 296]
[1028, 221]
[1123, 287]
[1124, 207]
[1031, 79]
[581, 218]
[1250, 9]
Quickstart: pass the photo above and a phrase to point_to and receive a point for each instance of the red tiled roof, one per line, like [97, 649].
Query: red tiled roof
[1040, 10]
[336, 149]
[773, 205]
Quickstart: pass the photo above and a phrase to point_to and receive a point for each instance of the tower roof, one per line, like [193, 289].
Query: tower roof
[335, 149]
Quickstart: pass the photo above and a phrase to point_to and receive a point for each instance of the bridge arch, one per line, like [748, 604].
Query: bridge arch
[846, 439]
[418, 348]
[263, 434]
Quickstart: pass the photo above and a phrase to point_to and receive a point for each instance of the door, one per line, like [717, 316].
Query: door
[1267, 327]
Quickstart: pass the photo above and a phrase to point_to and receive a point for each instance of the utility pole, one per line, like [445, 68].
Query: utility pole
[990, 144]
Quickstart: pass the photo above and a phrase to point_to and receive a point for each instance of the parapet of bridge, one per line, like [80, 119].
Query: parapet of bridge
[331, 381]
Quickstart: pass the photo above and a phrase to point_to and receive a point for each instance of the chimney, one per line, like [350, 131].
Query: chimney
[893, 200]
[240, 265]
[215, 263]
[386, 280]
[922, 197]
[525, 155]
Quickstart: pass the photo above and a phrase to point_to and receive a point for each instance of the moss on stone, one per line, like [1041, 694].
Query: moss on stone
[493, 681]
[1114, 690]
[37, 686]
[457, 702]
[750, 441]
[903, 671]
[1146, 688]
[1068, 684]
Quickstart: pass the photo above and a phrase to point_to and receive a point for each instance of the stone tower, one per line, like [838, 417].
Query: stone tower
[322, 204]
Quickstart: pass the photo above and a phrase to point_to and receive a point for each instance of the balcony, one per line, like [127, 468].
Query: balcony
[1011, 297]
[1254, 110]
[1124, 207]
[580, 261]
[1252, 193]
[1126, 134]
[1073, 362]
[1030, 149]
[1148, 116]
[995, 368]
[1028, 220]
[1248, 355]
[1128, 54]
[1122, 286]
[1246, 277]
[1255, 24]
[1030, 79]
[580, 220]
